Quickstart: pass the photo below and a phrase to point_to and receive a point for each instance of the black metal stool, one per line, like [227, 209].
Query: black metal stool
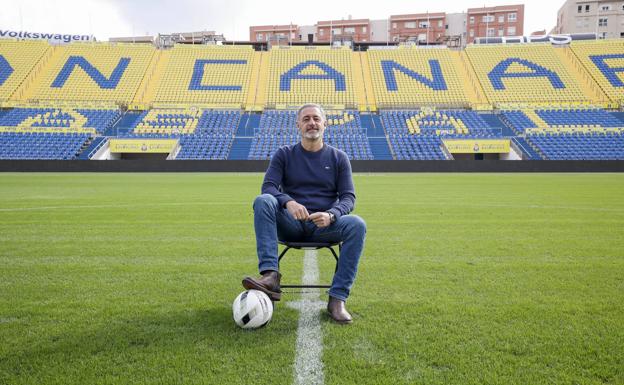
[310, 246]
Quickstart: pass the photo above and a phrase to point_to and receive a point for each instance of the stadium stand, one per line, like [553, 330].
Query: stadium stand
[34, 145]
[416, 147]
[203, 75]
[168, 121]
[579, 146]
[438, 122]
[278, 128]
[59, 120]
[556, 120]
[525, 73]
[17, 59]
[603, 61]
[298, 75]
[411, 77]
[92, 72]
[231, 102]
[206, 145]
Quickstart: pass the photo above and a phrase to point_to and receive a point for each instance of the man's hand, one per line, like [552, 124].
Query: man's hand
[320, 219]
[299, 212]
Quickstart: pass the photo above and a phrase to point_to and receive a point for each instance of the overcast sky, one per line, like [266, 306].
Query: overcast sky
[232, 18]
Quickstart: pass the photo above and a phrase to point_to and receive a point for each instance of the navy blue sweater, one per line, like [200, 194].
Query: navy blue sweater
[320, 181]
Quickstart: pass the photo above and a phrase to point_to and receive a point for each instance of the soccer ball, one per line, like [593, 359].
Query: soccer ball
[252, 309]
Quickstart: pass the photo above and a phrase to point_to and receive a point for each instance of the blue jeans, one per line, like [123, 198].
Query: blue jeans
[273, 222]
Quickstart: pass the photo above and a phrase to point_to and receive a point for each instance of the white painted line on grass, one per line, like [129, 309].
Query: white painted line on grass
[107, 206]
[308, 360]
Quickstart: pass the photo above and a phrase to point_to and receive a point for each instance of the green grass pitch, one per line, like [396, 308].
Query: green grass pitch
[465, 279]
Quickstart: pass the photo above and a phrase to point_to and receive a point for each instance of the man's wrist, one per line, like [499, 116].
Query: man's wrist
[332, 217]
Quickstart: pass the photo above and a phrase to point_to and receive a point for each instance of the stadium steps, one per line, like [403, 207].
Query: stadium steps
[358, 80]
[240, 149]
[369, 125]
[20, 92]
[472, 87]
[248, 122]
[30, 85]
[147, 89]
[495, 122]
[380, 149]
[243, 125]
[471, 81]
[377, 126]
[263, 76]
[91, 148]
[125, 124]
[526, 148]
[368, 82]
[253, 122]
[591, 90]
[254, 81]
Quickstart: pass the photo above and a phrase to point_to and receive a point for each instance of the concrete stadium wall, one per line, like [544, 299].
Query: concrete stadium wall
[261, 166]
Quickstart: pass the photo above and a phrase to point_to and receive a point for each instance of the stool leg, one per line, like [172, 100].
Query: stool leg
[282, 255]
[335, 256]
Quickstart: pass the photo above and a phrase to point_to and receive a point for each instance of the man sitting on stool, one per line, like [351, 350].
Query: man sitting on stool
[307, 195]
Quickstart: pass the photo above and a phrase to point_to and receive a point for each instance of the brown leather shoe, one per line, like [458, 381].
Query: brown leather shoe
[338, 312]
[269, 283]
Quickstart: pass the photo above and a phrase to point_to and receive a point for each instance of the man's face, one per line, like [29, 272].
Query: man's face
[311, 123]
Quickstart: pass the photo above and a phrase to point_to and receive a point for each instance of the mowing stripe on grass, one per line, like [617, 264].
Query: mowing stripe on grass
[308, 361]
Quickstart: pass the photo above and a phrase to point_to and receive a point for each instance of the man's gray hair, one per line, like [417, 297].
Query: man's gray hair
[311, 105]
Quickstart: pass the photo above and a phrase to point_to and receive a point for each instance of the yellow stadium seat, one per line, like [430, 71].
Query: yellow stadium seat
[93, 72]
[527, 73]
[323, 75]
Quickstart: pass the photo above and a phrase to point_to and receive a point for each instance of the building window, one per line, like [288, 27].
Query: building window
[587, 8]
[602, 22]
[259, 37]
[410, 24]
[471, 19]
[501, 32]
[423, 24]
[364, 29]
[580, 8]
[472, 33]
[349, 30]
[394, 25]
[321, 32]
[621, 34]
[440, 23]
[491, 32]
[501, 18]
[605, 7]
[602, 35]
[512, 16]
[336, 31]
[511, 31]
[488, 18]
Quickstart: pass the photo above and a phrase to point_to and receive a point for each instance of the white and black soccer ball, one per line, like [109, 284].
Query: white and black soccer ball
[252, 309]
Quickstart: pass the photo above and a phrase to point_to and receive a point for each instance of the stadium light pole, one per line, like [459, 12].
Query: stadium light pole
[428, 22]
[487, 25]
[597, 18]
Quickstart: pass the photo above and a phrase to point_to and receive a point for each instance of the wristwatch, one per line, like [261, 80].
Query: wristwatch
[332, 217]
